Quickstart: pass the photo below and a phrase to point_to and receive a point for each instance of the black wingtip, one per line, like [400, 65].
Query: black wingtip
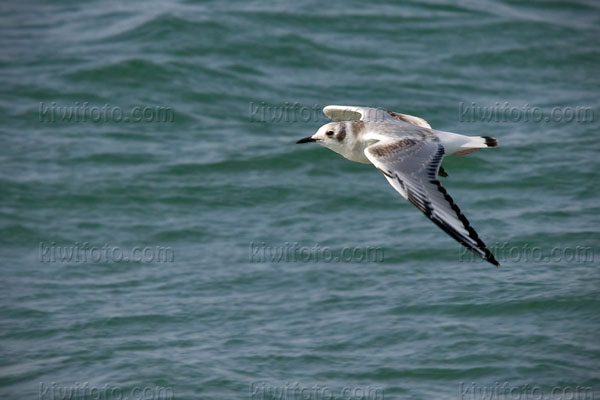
[489, 257]
[490, 141]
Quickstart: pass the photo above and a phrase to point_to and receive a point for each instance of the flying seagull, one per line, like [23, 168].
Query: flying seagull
[409, 153]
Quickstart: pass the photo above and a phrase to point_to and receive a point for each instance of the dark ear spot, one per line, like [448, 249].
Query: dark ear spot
[341, 135]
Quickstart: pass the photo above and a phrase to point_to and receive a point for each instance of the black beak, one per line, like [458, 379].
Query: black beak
[306, 140]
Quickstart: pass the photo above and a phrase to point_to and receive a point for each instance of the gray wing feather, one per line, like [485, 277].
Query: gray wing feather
[411, 166]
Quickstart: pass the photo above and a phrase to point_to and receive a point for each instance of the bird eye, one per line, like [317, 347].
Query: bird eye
[329, 133]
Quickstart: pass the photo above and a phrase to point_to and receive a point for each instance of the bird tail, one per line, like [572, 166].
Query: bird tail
[475, 143]
[488, 141]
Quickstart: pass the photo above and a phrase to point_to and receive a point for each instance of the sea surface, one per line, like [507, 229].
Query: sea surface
[162, 235]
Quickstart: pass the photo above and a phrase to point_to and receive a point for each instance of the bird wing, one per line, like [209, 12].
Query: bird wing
[411, 119]
[353, 113]
[411, 165]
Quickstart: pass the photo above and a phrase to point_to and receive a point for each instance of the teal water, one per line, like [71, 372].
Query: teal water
[221, 187]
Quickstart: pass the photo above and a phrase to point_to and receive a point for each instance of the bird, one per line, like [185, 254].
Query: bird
[409, 153]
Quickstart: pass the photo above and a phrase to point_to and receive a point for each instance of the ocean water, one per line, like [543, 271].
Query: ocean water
[164, 133]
